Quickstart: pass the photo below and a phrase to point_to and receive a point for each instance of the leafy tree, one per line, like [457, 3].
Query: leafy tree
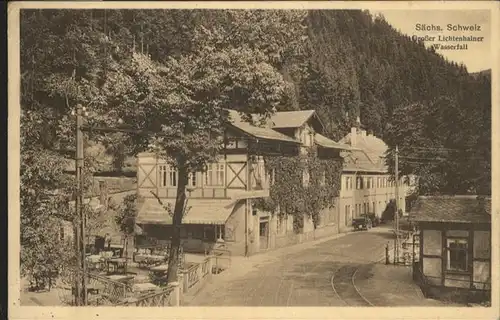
[183, 101]
[389, 212]
[43, 204]
[125, 218]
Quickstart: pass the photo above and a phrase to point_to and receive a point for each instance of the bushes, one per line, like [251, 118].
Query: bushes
[389, 212]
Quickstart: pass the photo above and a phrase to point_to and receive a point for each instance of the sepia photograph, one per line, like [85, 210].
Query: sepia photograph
[254, 157]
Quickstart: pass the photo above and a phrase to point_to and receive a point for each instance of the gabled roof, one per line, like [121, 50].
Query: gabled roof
[324, 142]
[255, 131]
[292, 119]
[359, 161]
[371, 157]
[457, 209]
[373, 146]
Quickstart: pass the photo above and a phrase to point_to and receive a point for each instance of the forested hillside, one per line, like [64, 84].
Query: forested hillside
[344, 63]
[438, 114]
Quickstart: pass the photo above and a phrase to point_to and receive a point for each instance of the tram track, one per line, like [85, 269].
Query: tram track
[343, 282]
[344, 286]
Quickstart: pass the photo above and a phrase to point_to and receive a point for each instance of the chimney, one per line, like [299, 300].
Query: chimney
[103, 194]
[353, 136]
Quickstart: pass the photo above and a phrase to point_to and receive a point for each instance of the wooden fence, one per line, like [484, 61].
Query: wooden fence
[163, 298]
[197, 274]
[100, 290]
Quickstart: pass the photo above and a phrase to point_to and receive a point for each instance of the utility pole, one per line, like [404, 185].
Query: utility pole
[80, 238]
[396, 215]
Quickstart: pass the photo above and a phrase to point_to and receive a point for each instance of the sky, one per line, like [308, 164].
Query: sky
[476, 57]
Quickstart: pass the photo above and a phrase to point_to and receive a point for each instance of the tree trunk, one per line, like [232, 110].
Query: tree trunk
[126, 254]
[180, 202]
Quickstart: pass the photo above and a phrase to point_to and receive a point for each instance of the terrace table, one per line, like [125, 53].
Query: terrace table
[147, 260]
[94, 262]
[160, 268]
[117, 263]
[144, 287]
[120, 278]
[91, 289]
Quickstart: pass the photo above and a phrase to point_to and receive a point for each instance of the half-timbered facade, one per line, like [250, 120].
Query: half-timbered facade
[454, 258]
[218, 208]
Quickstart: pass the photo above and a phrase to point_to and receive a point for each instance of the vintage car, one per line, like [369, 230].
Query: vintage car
[362, 223]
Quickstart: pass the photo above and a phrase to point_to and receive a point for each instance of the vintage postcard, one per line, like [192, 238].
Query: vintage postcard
[305, 159]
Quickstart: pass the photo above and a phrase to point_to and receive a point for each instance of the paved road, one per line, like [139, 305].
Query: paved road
[315, 275]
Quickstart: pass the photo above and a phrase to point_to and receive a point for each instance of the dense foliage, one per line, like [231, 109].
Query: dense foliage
[123, 64]
[438, 113]
[290, 195]
[45, 193]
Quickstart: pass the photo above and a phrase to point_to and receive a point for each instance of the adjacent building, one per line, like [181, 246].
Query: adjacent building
[455, 247]
[219, 206]
[367, 185]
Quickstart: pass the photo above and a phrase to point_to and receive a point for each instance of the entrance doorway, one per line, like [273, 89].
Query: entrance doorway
[264, 233]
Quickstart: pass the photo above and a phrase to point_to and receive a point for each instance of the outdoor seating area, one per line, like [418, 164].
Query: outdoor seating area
[116, 280]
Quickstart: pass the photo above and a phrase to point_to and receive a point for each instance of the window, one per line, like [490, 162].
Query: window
[347, 215]
[323, 178]
[220, 232]
[457, 254]
[192, 179]
[306, 138]
[209, 175]
[215, 175]
[61, 233]
[220, 175]
[305, 177]
[196, 232]
[209, 233]
[163, 175]
[272, 176]
[360, 183]
[373, 207]
[173, 177]
[364, 207]
[347, 183]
